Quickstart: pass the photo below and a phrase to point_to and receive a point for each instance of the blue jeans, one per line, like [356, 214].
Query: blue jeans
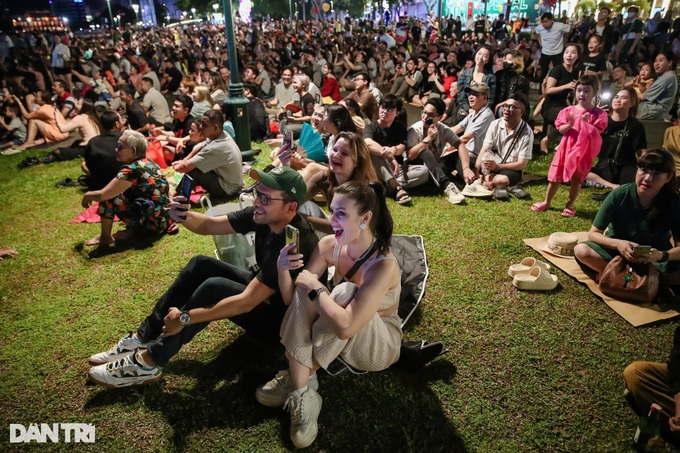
[202, 283]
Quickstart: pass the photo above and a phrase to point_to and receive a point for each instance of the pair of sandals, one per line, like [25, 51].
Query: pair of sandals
[542, 206]
[28, 162]
[68, 182]
[501, 193]
[532, 275]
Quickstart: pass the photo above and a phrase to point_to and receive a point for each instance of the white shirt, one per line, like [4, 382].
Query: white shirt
[552, 39]
[499, 141]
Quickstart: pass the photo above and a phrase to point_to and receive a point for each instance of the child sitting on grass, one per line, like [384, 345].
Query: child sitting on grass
[16, 128]
[581, 126]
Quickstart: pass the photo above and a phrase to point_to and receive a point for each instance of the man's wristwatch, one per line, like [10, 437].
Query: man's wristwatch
[184, 318]
[313, 294]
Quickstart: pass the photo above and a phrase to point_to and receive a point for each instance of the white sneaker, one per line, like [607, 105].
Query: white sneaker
[453, 195]
[304, 412]
[125, 345]
[275, 392]
[124, 373]
[476, 189]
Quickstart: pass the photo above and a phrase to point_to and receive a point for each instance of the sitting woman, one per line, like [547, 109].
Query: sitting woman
[349, 160]
[622, 143]
[202, 102]
[40, 120]
[646, 212]
[357, 321]
[138, 195]
[88, 125]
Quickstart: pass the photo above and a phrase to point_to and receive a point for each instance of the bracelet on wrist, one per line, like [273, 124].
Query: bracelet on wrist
[664, 256]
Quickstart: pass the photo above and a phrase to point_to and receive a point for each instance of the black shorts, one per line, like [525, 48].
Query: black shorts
[513, 175]
[62, 71]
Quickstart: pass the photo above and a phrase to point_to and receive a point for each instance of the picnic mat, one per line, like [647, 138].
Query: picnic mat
[90, 214]
[634, 314]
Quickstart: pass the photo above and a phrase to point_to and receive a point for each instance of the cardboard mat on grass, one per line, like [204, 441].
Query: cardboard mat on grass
[634, 314]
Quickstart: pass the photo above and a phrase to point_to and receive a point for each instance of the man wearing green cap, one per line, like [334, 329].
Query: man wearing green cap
[207, 289]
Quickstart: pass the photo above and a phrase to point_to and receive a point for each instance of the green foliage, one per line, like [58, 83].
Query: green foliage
[536, 372]
[585, 6]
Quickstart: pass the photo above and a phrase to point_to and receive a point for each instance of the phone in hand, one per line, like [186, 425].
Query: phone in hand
[287, 144]
[293, 236]
[641, 250]
[184, 188]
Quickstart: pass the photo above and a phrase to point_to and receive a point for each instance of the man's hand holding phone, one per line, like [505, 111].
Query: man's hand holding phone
[180, 202]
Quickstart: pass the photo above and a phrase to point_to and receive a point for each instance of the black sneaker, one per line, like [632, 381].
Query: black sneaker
[599, 196]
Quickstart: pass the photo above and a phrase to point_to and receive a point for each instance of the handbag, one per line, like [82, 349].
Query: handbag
[637, 283]
[236, 249]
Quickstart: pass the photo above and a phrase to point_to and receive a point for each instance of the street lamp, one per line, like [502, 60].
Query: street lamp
[215, 6]
[237, 103]
[193, 13]
[135, 8]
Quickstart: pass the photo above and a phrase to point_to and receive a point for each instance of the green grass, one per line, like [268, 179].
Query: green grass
[535, 371]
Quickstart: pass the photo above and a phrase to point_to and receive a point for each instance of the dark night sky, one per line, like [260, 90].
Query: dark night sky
[20, 6]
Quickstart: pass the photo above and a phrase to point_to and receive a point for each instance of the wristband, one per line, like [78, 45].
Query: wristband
[664, 256]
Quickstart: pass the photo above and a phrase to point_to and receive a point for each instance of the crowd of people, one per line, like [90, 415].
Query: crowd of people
[331, 98]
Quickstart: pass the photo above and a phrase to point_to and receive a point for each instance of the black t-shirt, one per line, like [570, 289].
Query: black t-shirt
[307, 104]
[175, 79]
[479, 26]
[100, 158]
[563, 77]
[632, 139]
[135, 116]
[392, 136]
[595, 64]
[258, 119]
[268, 245]
[182, 128]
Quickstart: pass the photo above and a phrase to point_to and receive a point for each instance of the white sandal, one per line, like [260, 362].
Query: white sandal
[525, 266]
[538, 279]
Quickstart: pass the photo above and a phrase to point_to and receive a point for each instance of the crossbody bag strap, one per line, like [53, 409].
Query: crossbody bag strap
[514, 141]
[358, 264]
[622, 137]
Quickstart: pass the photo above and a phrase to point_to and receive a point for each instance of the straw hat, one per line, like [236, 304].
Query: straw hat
[559, 244]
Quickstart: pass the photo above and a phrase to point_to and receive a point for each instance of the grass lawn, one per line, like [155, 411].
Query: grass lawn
[527, 371]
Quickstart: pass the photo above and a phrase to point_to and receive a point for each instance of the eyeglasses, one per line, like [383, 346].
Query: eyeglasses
[429, 114]
[387, 109]
[511, 107]
[360, 79]
[264, 198]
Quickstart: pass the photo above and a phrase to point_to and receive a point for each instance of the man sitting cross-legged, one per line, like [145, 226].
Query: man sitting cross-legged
[208, 290]
[507, 149]
[432, 143]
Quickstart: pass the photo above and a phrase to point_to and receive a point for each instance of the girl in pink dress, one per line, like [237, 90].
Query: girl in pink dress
[581, 126]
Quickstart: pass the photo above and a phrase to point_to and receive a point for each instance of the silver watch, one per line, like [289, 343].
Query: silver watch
[184, 318]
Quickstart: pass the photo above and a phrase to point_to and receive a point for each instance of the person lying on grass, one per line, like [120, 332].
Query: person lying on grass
[357, 321]
[646, 212]
[138, 195]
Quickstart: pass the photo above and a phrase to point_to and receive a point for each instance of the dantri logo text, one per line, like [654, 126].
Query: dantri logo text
[55, 433]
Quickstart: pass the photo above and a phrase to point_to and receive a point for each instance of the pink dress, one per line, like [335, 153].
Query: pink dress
[579, 146]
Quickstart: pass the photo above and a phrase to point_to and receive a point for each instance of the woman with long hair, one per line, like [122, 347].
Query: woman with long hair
[218, 90]
[481, 71]
[510, 79]
[644, 212]
[86, 122]
[356, 321]
[623, 141]
[559, 86]
[202, 102]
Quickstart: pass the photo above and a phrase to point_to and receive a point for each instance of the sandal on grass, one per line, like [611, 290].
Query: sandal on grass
[402, 197]
[66, 182]
[569, 212]
[540, 207]
[518, 192]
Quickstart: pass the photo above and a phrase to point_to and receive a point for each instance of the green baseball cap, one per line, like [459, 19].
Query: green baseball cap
[285, 179]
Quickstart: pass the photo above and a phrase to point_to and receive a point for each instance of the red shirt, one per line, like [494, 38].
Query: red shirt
[330, 88]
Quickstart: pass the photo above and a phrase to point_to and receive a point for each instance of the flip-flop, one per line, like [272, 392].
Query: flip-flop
[518, 192]
[500, 193]
[524, 266]
[540, 207]
[537, 279]
[568, 212]
[172, 229]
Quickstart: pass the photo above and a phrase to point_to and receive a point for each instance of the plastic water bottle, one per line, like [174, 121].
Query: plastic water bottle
[488, 155]
[647, 435]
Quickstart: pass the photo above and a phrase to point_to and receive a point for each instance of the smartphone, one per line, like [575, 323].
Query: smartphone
[293, 236]
[184, 188]
[287, 141]
[641, 250]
